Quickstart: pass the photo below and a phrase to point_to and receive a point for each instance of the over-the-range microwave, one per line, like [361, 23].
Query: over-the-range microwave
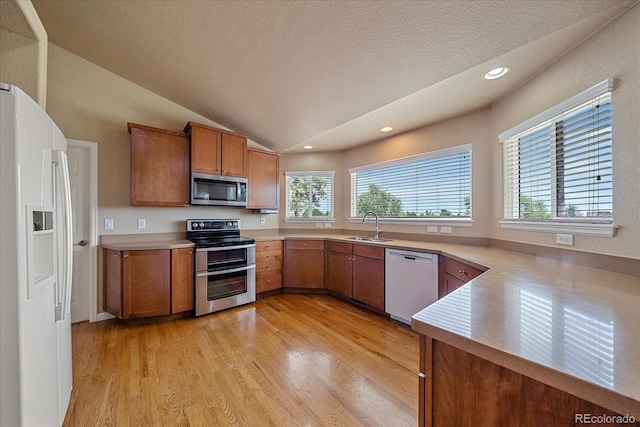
[218, 190]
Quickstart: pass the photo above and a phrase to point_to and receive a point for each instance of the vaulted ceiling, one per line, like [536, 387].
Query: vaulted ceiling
[325, 73]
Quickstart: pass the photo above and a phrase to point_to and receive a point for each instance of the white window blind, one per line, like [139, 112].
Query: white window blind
[433, 185]
[561, 168]
[309, 195]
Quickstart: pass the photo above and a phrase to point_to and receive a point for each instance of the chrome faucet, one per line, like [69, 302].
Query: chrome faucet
[377, 230]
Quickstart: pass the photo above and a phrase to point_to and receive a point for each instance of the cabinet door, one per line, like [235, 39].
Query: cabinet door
[304, 268]
[182, 280]
[146, 283]
[263, 172]
[368, 281]
[234, 151]
[339, 273]
[205, 150]
[112, 282]
[452, 283]
[159, 167]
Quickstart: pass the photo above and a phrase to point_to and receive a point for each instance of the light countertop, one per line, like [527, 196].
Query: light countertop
[148, 245]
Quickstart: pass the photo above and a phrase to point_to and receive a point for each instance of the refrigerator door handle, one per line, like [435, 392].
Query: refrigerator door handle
[67, 251]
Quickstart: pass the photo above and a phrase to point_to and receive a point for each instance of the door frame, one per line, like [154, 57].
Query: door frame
[93, 224]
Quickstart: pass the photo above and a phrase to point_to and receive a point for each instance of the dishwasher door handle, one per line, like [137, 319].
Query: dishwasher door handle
[410, 257]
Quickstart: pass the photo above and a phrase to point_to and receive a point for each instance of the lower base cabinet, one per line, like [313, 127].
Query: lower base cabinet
[461, 389]
[304, 264]
[146, 283]
[356, 272]
[268, 266]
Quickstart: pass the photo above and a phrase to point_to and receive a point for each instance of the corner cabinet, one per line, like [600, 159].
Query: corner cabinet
[159, 167]
[147, 283]
[216, 151]
[304, 264]
[454, 274]
[263, 173]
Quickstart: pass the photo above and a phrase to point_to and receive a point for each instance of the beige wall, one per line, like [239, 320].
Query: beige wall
[612, 52]
[23, 49]
[92, 104]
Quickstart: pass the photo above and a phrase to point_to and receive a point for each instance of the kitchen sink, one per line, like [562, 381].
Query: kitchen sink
[369, 239]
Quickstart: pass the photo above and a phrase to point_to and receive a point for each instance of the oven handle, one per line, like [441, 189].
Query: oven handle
[225, 248]
[232, 270]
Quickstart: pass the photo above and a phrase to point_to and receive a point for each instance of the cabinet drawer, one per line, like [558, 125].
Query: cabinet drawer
[460, 270]
[268, 256]
[304, 244]
[268, 266]
[271, 245]
[339, 247]
[369, 251]
[268, 281]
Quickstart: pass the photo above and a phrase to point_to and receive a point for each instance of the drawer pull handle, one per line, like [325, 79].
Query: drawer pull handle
[462, 272]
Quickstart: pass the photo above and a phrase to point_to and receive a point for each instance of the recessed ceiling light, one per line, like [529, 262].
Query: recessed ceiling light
[308, 147]
[496, 73]
[386, 129]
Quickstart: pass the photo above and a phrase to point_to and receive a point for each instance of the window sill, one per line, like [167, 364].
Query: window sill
[444, 222]
[308, 220]
[579, 228]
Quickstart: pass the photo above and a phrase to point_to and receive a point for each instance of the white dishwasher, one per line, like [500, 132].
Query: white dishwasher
[411, 283]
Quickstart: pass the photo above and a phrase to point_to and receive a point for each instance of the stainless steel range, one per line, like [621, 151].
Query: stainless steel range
[225, 264]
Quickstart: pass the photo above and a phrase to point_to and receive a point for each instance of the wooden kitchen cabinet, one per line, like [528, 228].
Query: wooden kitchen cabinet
[182, 280]
[268, 266]
[146, 283]
[159, 167]
[263, 173]
[304, 264]
[356, 272]
[368, 276]
[339, 268]
[453, 274]
[216, 151]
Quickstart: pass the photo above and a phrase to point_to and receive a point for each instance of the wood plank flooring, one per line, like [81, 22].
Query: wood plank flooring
[286, 360]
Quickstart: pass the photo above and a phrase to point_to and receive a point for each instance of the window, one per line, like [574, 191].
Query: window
[557, 168]
[309, 196]
[435, 185]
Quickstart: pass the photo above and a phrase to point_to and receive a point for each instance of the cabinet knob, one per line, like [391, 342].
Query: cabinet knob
[125, 255]
[268, 281]
[462, 272]
[321, 253]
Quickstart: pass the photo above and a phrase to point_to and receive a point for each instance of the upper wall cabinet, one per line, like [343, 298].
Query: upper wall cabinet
[263, 172]
[216, 151]
[159, 167]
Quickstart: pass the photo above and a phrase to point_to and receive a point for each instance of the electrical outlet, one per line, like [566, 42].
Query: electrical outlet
[445, 230]
[318, 225]
[432, 228]
[327, 225]
[108, 224]
[263, 221]
[564, 239]
[142, 223]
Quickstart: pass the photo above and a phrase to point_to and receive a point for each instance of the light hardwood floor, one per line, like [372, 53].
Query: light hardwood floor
[286, 360]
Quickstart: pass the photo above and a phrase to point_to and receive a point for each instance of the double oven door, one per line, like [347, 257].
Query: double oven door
[225, 277]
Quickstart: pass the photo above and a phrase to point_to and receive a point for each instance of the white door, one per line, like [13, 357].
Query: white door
[79, 176]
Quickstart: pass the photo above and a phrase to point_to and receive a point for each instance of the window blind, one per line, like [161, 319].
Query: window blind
[432, 185]
[309, 195]
[562, 168]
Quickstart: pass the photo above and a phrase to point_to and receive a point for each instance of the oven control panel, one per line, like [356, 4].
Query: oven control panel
[212, 224]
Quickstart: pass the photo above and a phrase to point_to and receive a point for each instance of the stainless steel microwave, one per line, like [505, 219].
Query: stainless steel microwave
[218, 190]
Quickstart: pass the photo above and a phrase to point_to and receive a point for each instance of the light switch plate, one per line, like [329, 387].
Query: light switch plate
[108, 224]
[263, 221]
[432, 228]
[318, 225]
[327, 225]
[142, 223]
[445, 230]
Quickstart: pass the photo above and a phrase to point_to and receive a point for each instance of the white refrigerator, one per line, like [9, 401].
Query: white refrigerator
[35, 265]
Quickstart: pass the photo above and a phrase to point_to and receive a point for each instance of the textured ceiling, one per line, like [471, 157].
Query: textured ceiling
[290, 73]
